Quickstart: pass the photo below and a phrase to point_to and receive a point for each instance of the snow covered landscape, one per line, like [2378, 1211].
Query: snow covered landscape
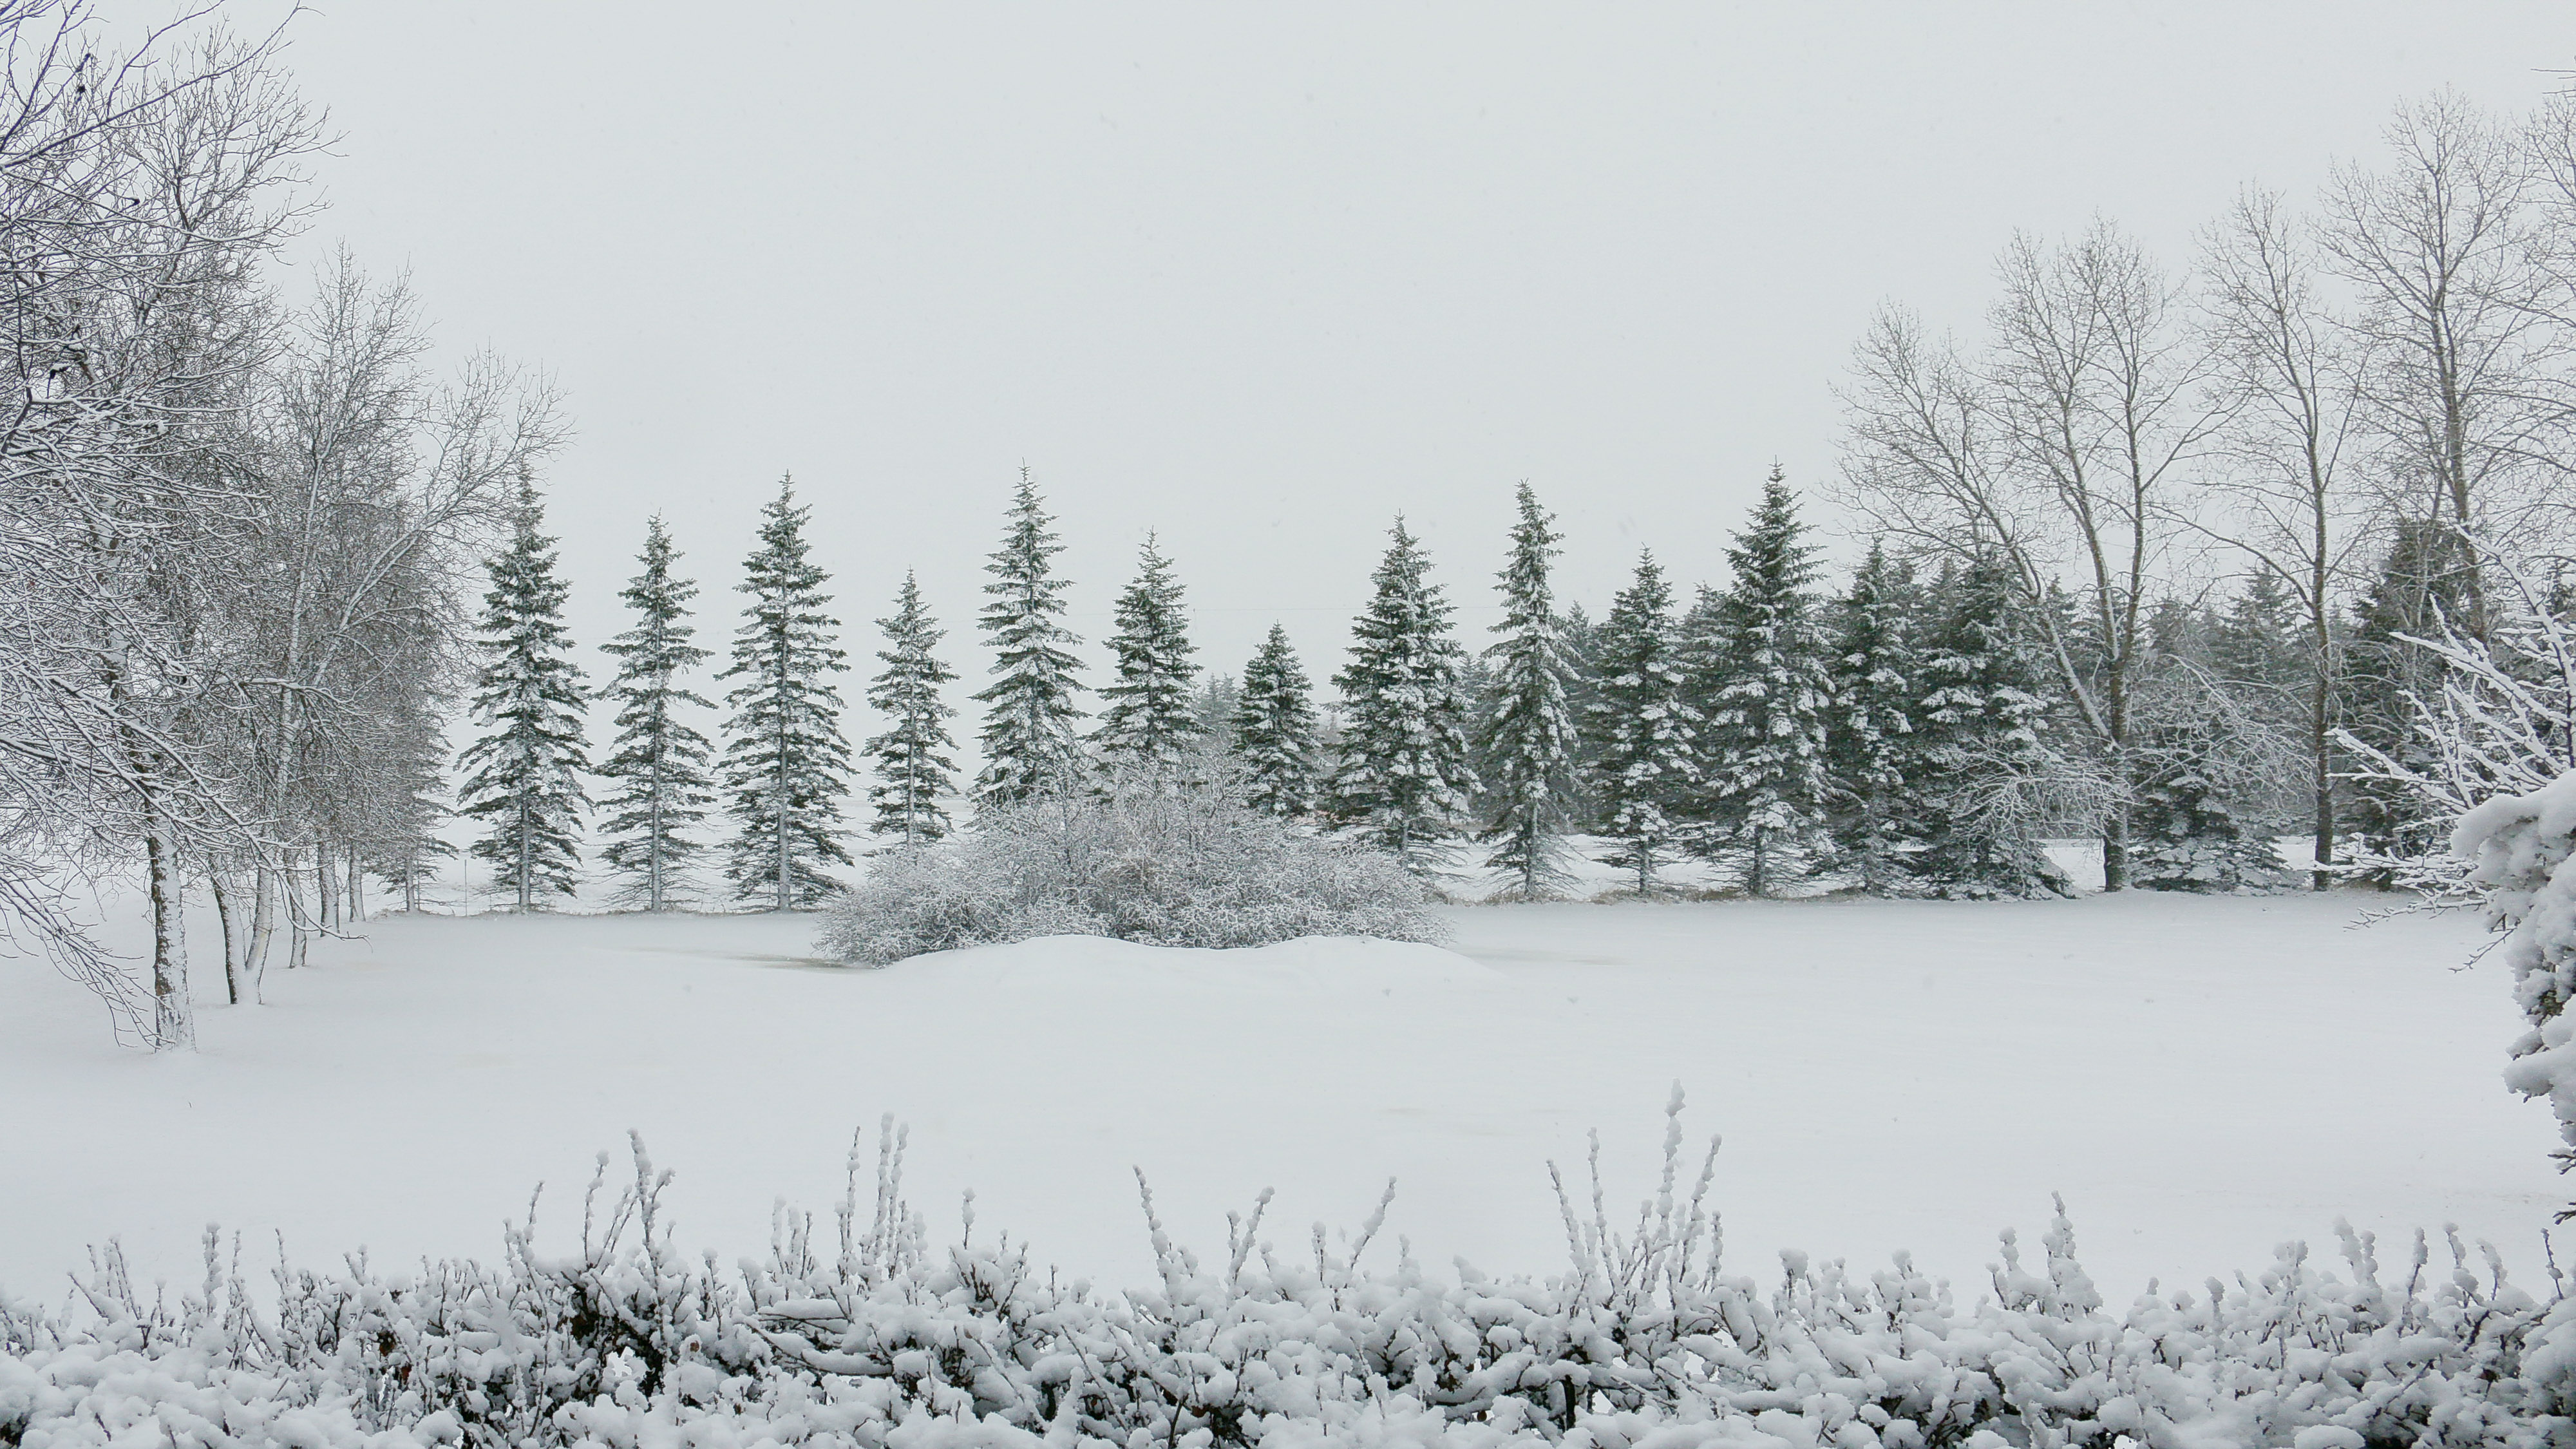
[1408, 727]
[2202, 1078]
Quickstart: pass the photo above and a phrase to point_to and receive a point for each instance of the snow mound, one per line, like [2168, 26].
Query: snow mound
[1324, 965]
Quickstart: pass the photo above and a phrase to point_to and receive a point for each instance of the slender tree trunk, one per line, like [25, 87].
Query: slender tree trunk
[263, 930]
[356, 896]
[326, 894]
[527, 860]
[233, 947]
[299, 916]
[173, 1020]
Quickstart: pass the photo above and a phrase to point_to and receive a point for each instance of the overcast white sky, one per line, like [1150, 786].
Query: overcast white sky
[1260, 277]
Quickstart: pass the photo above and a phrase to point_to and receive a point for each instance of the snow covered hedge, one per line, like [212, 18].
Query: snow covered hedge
[1644, 1342]
[1142, 857]
[2518, 848]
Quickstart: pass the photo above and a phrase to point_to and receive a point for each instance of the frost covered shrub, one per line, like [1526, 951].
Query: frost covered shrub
[2518, 847]
[1155, 857]
[1644, 1341]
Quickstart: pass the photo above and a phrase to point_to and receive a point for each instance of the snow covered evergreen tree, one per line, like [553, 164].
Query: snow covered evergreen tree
[1643, 734]
[2422, 591]
[1274, 731]
[1029, 740]
[1148, 719]
[523, 774]
[1764, 741]
[2212, 751]
[915, 776]
[786, 765]
[1530, 739]
[1978, 721]
[1404, 780]
[660, 762]
[1870, 743]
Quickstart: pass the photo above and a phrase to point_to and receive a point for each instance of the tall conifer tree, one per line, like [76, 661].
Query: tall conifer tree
[1764, 743]
[1870, 740]
[915, 776]
[1029, 739]
[1530, 739]
[786, 765]
[1405, 780]
[1643, 733]
[660, 762]
[523, 775]
[1274, 731]
[1148, 717]
[1978, 720]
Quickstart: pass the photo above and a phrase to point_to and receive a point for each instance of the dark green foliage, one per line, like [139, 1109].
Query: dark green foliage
[1147, 717]
[1405, 780]
[1641, 733]
[523, 775]
[915, 776]
[786, 766]
[2424, 582]
[1979, 717]
[1766, 682]
[1529, 740]
[660, 763]
[1028, 738]
[1274, 731]
[1871, 746]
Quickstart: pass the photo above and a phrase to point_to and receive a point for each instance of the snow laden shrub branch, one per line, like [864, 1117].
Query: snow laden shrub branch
[2500, 722]
[1167, 857]
[2517, 848]
[1645, 1341]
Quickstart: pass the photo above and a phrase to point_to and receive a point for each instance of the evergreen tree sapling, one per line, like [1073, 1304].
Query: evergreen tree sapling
[1530, 738]
[1643, 733]
[523, 773]
[1977, 720]
[915, 776]
[1404, 779]
[1274, 731]
[1028, 737]
[1870, 742]
[1763, 746]
[786, 766]
[659, 763]
[1149, 718]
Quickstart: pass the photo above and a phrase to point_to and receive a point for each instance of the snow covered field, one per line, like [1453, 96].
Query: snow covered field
[2201, 1078]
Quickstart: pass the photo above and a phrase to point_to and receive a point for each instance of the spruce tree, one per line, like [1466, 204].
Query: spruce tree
[1149, 719]
[1977, 721]
[523, 775]
[1274, 731]
[1643, 734]
[1869, 740]
[659, 762]
[1405, 779]
[786, 765]
[1763, 746]
[915, 776]
[2423, 586]
[1029, 740]
[1530, 739]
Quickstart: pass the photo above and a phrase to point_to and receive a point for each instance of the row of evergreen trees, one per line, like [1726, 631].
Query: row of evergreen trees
[1889, 735]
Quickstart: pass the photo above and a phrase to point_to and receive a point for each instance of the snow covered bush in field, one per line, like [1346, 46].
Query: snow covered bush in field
[1644, 1341]
[1163, 857]
[2518, 847]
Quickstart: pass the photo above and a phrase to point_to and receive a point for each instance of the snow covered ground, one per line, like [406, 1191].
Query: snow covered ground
[2202, 1078]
